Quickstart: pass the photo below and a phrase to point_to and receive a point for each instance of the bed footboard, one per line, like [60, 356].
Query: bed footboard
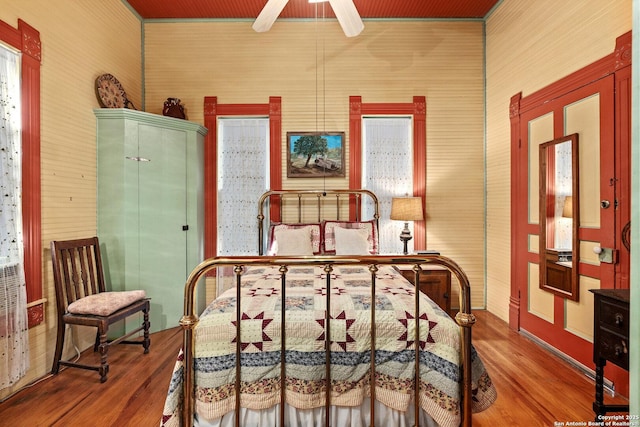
[464, 319]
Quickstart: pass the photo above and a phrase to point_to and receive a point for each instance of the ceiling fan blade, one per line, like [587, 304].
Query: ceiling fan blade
[268, 15]
[348, 17]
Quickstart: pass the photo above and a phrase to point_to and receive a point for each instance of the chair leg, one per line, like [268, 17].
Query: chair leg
[146, 341]
[103, 370]
[96, 344]
[59, 346]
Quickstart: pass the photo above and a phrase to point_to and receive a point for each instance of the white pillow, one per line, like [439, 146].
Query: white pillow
[329, 239]
[293, 241]
[351, 241]
[315, 235]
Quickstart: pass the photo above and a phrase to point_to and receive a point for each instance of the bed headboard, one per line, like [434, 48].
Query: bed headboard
[299, 206]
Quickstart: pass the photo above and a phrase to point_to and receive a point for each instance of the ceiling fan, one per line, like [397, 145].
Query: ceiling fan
[345, 11]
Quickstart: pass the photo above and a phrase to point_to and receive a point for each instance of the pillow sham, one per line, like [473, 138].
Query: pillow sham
[315, 235]
[351, 241]
[329, 240]
[293, 241]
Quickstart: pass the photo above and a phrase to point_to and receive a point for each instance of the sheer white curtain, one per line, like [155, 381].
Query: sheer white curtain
[387, 170]
[243, 175]
[14, 337]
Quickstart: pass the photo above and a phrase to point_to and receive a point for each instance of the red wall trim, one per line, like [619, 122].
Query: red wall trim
[517, 238]
[620, 58]
[417, 109]
[275, 156]
[210, 173]
[420, 165]
[623, 160]
[355, 147]
[213, 110]
[27, 39]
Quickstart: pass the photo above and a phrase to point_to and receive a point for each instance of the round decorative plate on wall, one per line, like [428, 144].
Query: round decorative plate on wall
[110, 93]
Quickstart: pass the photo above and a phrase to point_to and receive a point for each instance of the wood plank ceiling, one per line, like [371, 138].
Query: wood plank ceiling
[249, 9]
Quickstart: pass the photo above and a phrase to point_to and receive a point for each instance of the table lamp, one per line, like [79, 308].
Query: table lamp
[406, 209]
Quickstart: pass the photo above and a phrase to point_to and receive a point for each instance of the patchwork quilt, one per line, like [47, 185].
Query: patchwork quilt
[305, 303]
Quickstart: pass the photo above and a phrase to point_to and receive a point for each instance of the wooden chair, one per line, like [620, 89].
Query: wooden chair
[82, 299]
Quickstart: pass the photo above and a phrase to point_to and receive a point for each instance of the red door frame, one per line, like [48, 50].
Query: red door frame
[568, 343]
[616, 68]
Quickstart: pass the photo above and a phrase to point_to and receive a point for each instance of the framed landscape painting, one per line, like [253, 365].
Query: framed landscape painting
[315, 154]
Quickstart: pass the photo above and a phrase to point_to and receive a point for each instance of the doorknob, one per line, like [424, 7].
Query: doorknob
[606, 255]
[604, 204]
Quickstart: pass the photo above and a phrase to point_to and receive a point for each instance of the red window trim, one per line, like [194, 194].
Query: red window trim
[26, 39]
[417, 109]
[212, 110]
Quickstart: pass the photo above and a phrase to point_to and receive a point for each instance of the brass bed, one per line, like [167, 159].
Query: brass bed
[187, 396]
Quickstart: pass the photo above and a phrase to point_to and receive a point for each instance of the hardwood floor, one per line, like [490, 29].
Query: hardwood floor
[534, 387]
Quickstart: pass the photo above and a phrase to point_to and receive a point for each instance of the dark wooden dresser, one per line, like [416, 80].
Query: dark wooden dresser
[610, 339]
[435, 282]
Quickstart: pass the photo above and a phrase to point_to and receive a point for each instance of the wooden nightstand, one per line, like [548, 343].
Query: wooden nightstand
[610, 339]
[435, 282]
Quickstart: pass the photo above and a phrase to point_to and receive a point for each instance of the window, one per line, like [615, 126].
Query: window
[10, 155]
[417, 111]
[387, 170]
[213, 111]
[17, 223]
[243, 176]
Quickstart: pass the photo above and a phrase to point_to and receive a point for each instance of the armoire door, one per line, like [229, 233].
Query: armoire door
[162, 204]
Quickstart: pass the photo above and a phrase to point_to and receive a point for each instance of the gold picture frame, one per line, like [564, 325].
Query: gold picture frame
[315, 155]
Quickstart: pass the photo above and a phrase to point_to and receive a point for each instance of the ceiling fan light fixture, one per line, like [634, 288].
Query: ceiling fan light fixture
[345, 12]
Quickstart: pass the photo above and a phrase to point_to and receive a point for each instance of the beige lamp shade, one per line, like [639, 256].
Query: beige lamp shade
[406, 209]
[567, 209]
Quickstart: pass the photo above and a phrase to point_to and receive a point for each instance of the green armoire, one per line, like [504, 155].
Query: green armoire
[150, 206]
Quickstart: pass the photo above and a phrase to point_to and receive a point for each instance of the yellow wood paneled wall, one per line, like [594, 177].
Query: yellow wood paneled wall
[389, 62]
[529, 45]
[80, 40]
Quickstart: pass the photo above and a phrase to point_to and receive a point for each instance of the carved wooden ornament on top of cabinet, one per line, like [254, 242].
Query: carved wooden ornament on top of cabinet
[150, 205]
